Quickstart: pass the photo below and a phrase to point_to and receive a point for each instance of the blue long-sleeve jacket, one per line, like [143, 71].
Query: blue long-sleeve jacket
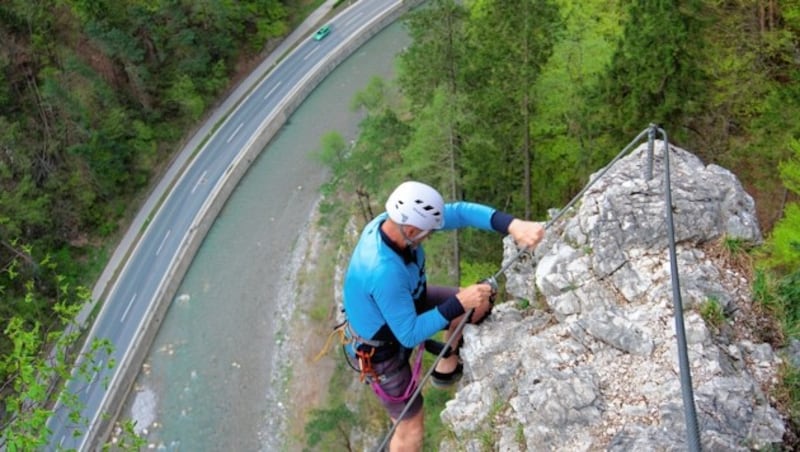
[383, 282]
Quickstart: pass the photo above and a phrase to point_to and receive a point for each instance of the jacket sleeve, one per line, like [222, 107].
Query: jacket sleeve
[469, 214]
[393, 298]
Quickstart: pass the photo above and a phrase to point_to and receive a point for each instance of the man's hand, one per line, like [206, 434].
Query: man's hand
[476, 297]
[527, 234]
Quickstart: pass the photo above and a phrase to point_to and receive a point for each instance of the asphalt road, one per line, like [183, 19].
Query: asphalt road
[143, 276]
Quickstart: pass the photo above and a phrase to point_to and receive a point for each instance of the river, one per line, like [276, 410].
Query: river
[206, 382]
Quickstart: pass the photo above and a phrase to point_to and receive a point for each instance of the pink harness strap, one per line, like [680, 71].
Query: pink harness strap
[412, 385]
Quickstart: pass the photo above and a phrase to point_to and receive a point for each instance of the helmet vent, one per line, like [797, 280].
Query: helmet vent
[416, 204]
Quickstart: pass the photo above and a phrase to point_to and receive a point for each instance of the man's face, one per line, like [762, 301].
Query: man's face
[414, 236]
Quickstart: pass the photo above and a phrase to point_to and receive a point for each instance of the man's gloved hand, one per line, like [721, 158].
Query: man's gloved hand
[477, 297]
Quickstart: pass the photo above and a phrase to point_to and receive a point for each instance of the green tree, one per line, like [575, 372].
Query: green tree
[39, 357]
[568, 149]
[655, 75]
[374, 160]
[335, 154]
[785, 237]
[431, 75]
[433, 156]
[509, 43]
[437, 54]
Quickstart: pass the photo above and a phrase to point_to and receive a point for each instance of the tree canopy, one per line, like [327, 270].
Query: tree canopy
[509, 103]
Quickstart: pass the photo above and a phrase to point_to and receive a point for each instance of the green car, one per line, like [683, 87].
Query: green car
[322, 32]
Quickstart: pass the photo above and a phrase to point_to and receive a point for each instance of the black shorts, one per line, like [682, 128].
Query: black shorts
[400, 367]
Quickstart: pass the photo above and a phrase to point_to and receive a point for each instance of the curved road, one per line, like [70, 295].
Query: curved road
[144, 276]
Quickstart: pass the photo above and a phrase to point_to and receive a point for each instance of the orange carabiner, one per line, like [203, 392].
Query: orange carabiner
[365, 364]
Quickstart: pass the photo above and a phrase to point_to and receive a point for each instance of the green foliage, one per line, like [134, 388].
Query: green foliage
[497, 96]
[512, 104]
[37, 357]
[437, 56]
[519, 434]
[734, 245]
[333, 154]
[788, 392]
[471, 272]
[508, 45]
[127, 439]
[712, 313]
[185, 97]
[785, 239]
[364, 167]
[780, 296]
[790, 169]
[94, 98]
[789, 292]
[654, 75]
[330, 426]
[103, 91]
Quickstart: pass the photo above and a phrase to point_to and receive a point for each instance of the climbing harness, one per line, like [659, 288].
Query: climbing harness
[360, 358]
[348, 337]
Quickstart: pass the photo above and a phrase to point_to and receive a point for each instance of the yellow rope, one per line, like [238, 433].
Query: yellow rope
[327, 346]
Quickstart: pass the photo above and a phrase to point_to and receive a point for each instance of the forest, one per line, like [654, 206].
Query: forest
[513, 103]
[516, 103]
[95, 98]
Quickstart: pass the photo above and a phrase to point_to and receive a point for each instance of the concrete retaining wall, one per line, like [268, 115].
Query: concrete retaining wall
[128, 369]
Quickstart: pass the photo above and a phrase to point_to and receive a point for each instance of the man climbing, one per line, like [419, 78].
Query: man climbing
[390, 308]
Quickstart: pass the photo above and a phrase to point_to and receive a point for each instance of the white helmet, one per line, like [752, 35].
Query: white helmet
[416, 204]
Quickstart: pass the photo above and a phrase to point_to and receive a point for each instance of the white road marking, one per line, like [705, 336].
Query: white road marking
[350, 21]
[310, 53]
[272, 90]
[235, 132]
[89, 385]
[199, 181]
[125, 314]
[162, 242]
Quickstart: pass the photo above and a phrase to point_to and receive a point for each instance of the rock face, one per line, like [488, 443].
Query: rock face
[592, 364]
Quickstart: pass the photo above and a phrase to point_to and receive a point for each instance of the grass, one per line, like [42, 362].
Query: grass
[711, 311]
[734, 253]
[780, 297]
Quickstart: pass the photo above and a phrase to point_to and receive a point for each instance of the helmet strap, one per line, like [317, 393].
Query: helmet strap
[408, 241]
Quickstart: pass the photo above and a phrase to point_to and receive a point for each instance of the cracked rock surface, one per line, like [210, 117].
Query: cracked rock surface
[592, 364]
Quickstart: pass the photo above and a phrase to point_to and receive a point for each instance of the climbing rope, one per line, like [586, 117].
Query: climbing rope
[693, 435]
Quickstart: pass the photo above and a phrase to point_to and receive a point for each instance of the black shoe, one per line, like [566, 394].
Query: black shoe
[447, 380]
[435, 347]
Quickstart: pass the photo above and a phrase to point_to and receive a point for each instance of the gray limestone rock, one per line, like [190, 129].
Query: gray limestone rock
[598, 368]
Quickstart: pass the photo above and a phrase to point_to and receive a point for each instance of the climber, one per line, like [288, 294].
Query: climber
[390, 309]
